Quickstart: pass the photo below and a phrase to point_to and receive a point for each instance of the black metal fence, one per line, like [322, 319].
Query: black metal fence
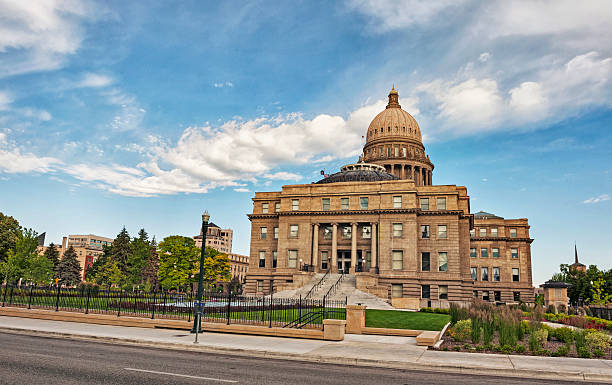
[216, 307]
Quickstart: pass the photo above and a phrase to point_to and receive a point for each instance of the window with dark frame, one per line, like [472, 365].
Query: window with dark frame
[425, 261]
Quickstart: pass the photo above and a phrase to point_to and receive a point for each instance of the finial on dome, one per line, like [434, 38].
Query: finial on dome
[393, 98]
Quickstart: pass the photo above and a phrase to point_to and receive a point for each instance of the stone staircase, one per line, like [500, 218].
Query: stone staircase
[346, 290]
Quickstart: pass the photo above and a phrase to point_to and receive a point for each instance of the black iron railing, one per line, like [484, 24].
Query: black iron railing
[317, 285]
[334, 287]
[217, 307]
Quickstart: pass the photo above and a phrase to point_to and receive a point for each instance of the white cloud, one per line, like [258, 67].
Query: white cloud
[38, 35]
[223, 84]
[5, 100]
[13, 161]
[95, 80]
[130, 114]
[242, 189]
[528, 98]
[484, 57]
[283, 175]
[601, 198]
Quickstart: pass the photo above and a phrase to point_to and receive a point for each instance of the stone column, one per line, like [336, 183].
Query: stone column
[373, 248]
[403, 176]
[430, 177]
[416, 175]
[315, 247]
[334, 257]
[354, 247]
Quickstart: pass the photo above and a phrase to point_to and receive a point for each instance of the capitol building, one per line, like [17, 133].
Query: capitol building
[385, 223]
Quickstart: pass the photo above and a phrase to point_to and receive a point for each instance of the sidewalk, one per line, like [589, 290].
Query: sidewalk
[363, 350]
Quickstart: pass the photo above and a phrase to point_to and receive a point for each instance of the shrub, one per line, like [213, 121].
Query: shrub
[597, 340]
[551, 309]
[537, 339]
[571, 311]
[525, 327]
[598, 353]
[562, 351]
[564, 334]
[519, 348]
[466, 346]
[445, 349]
[562, 308]
[476, 329]
[506, 349]
[580, 338]
[480, 348]
[426, 310]
[543, 352]
[584, 352]
[456, 348]
[461, 331]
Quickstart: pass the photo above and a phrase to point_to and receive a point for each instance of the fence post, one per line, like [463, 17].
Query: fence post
[4, 297]
[300, 308]
[153, 310]
[135, 295]
[87, 302]
[323, 313]
[30, 298]
[229, 303]
[164, 308]
[271, 307]
[120, 298]
[58, 295]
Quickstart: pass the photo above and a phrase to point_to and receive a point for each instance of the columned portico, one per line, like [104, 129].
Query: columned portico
[315, 246]
[353, 247]
[334, 264]
[373, 248]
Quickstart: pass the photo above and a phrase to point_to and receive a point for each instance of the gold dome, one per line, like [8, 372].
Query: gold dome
[394, 122]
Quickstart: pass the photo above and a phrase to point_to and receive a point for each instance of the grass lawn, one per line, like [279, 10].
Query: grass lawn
[394, 319]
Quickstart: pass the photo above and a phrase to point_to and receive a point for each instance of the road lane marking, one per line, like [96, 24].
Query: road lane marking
[180, 375]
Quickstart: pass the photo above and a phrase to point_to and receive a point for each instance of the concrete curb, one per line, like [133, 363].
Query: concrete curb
[498, 372]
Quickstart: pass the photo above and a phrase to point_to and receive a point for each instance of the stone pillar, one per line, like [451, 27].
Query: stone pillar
[355, 319]
[315, 247]
[334, 257]
[354, 247]
[333, 329]
[373, 265]
[403, 176]
[417, 170]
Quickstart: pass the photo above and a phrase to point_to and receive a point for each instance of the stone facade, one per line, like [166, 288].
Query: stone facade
[402, 238]
[217, 238]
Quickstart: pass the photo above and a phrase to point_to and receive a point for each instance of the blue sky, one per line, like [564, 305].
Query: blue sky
[144, 114]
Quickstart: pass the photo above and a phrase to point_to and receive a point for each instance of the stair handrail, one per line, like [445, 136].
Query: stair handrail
[333, 288]
[317, 285]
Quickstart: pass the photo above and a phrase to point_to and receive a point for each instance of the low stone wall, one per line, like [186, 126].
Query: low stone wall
[333, 329]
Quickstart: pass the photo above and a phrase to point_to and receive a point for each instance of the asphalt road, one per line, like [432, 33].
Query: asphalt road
[28, 359]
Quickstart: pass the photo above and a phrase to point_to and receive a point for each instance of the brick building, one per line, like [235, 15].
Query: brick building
[384, 221]
[217, 238]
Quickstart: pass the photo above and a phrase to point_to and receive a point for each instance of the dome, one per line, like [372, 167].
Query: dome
[394, 122]
[359, 172]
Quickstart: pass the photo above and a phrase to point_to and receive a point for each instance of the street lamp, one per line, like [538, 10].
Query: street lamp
[197, 319]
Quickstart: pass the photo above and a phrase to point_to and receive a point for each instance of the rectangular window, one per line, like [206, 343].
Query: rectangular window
[262, 259]
[495, 252]
[484, 273]
[474, 272]
[496, 276]
[515, 274]
[264, 208]
[325, 204]
[442, 232]
[381, 151]
[363, 203]
[344, 203]
[475, 292]
[483, 232]
[295, 204]
[424, 203]
[274, 258]
[398, 260]
[327, 232]
[441, 203]
[472, 233]
[368, 260]
[292, 258]
[443, 292]
[473, 252]
[388, 152]
[366, 232]
[512, 233]
[277, 207]
[397, 202]
[425, 231]
[396, 151]
[517, 296]
[443, 261]
[404, 152]
[497, 295]
[485, 296]
[260, 285]
[484, 252]
[397, 230]
[276, 233]
[324, 260]
[264, 232]
[494, 232]
[514, 252]
[397, 290]
[347, 232]
[425, 291]
[425, 265]
[293, 231]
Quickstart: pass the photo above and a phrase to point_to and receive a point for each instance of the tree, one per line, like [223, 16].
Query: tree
[69, 268]
[149, 273]
[137, 260]
[112, 275]
[39, 270]
[17, 260]
[216, 266]
[92, 274]
[10, 232]
[600, 297]
[52, 254]
[122, 250]
[581, 289]
[177, 261]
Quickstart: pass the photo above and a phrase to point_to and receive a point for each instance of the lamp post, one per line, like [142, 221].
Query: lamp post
[197, 319]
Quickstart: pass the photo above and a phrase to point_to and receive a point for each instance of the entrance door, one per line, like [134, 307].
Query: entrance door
[344, 261]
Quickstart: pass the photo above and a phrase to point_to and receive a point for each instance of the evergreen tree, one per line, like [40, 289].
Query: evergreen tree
[52, 254]
[93, 272]
[149, 273]
[137, 261]
[69, 268]
[122, 250]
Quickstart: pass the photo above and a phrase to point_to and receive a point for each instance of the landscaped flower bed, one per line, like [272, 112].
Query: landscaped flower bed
[487, 329]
